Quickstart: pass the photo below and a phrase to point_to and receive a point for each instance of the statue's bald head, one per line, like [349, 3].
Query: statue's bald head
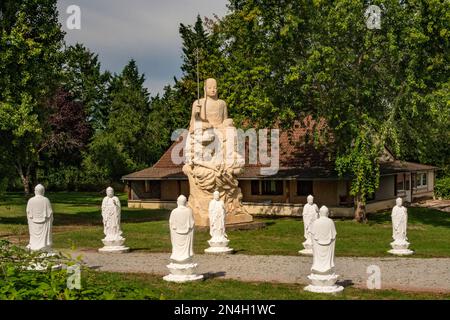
[39, 190]
[216, 195]
[324, 212]
[310, 199]
[181, 201]
[211, 88]
[110, 192]
[399, 201]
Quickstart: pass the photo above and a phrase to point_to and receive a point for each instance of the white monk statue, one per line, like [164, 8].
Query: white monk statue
[217, 214]
[399, 225]
[310, 214]
[40, 220]
[182, 231]
[323, 235]
[111, 211]
[181, 224]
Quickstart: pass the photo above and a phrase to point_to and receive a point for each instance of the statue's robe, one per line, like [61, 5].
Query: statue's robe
[310, 214]
[181, 224]
[217, 219]
[213, 112]
[111, 210]
[323, 233]
[399, 223]
[40, 220]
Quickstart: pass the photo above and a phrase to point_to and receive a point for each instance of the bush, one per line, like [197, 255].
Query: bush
[18, 280]
[442, 187]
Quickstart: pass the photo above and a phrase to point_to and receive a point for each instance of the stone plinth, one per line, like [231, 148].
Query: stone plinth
[114, 246]
[323, 283]
[400, 248]
[219, 247]
[307, 251]
[182, 272]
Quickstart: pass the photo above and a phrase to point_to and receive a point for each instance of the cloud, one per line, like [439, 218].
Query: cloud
[145, 30]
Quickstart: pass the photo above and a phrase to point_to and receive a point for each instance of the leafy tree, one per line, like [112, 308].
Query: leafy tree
[84, 80]
[30, 61]
[126, 144]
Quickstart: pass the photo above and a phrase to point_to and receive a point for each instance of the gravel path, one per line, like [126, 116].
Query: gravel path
[396, 273]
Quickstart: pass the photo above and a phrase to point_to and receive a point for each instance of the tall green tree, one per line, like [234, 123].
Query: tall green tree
[84, 80]
[126, 144]
[30, 60]
[375, 87]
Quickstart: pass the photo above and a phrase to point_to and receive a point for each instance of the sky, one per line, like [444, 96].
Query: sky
[145, 30]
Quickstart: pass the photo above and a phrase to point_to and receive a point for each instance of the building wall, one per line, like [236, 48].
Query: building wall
[138, 190]
[246, 188]
[170, 190]
[387, 188]
[325, 192]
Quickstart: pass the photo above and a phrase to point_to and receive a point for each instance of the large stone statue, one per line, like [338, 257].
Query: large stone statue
[212, 159]
[399, 225]
[310, 214]
[323, 235]
[181, 224]
[219, 239]
[40, 220]
[111, 211]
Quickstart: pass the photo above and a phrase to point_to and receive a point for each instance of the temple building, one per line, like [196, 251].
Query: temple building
[304, 169]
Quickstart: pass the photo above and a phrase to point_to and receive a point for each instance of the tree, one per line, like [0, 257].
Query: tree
[126, 144]
[373, 87]
[84, 80]
[30, 61]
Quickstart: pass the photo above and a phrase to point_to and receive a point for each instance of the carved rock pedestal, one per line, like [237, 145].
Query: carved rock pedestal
[219, 247]
[114, 246]
[400, 248]
[323, 283]
[182, 272]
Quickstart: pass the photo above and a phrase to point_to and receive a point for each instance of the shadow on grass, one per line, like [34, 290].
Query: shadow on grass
[212, 275]
[94, 218]
[426, 216]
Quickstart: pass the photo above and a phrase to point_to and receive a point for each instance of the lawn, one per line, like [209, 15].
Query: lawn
[78, 224]
[218, 289]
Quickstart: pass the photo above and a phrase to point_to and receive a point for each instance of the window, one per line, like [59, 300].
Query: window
[421, 180]
[406, 181]
[400, 182]
[304, 187]
[255, 188]
[272, 187]
[267, 187]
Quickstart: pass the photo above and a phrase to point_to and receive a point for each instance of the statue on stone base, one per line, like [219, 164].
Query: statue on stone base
[111, 210]
[181, 224]
[219, 239]
[323, 235]
[310, 214]
[40, 221]
[212, 159]
[399, 225]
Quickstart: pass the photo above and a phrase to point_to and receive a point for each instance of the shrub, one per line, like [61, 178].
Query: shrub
[18, 280]
[442, 187]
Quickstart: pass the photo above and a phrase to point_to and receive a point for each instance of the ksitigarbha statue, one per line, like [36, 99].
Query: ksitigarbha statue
[212, 159]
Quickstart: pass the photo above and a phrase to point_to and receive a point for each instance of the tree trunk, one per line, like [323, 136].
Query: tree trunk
[25, 176]
[360, 209]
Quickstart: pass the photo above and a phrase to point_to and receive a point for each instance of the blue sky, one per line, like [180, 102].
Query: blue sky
[145, 30]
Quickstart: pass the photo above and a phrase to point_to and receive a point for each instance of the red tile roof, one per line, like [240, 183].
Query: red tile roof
[300, 158]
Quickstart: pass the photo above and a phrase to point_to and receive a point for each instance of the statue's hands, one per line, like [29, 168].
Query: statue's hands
[197, 109]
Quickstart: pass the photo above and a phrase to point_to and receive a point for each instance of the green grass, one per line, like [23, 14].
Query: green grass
[78, 223]
[217, 289]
